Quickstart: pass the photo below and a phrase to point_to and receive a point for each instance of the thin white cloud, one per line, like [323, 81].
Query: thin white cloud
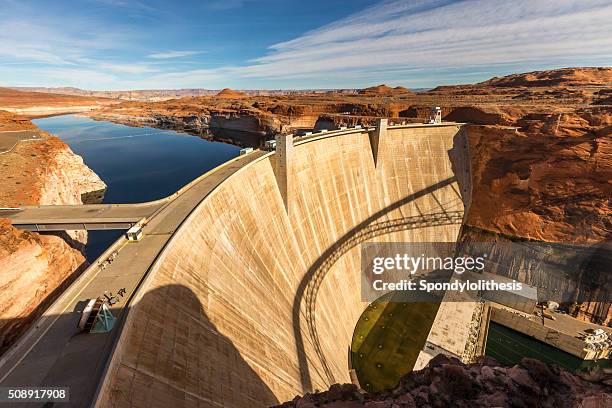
[61, 76]
[432, 34]
[50, 42]
[173, 54]
[397, 39]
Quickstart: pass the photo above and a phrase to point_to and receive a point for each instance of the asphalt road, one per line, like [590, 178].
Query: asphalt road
[9, 139]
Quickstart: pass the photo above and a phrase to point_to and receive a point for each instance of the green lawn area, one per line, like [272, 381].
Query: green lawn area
[387, 340]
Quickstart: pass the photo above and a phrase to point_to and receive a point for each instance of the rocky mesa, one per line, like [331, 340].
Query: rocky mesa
[40, 104]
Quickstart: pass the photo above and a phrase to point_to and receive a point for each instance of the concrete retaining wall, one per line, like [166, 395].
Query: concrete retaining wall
[562, 341]
[244, 307]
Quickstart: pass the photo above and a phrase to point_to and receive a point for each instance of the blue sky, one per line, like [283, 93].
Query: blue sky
[271, 44]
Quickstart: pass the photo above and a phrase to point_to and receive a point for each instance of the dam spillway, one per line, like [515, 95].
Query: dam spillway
[256, 296]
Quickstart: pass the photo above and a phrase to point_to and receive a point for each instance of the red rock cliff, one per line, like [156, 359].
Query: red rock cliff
[33, 267]
[542, 187]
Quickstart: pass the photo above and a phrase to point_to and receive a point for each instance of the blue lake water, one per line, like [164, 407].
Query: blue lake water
[137, 164]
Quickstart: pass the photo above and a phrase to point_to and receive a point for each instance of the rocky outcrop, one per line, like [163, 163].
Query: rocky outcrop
[201, 124]
[546, 188]
[447, 382]
[470, 114]
[34, 269]
[594, 76]
[230, 94]
[68, 180]
[383, 89]
[10, 122]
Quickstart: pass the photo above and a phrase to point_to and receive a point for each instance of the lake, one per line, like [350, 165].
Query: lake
[137, 164]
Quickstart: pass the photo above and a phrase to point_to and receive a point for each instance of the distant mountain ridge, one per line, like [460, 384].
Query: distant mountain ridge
[580, 76]
[383, 89]
[563, 77]
[152, 95]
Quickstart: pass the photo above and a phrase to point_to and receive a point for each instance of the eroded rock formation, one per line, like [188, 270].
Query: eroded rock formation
[230, 94]
[47, 172]
[546, 187]
[594, 76]
[34, 267]
[447, 382]
[383, 89]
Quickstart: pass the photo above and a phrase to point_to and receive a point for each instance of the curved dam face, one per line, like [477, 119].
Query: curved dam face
[255, 298]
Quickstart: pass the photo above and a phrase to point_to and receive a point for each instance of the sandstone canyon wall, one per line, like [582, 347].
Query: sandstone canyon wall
[33, 267]
[547, 188]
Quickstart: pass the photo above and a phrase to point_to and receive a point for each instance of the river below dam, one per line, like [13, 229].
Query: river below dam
[137, 163]
[509, 347]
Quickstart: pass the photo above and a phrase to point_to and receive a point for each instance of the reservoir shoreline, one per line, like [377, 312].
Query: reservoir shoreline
[137, 164]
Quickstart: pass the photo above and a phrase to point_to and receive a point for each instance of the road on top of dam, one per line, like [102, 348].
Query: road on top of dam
[54, 353]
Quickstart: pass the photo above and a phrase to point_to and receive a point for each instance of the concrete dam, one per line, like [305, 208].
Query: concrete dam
[255, 297]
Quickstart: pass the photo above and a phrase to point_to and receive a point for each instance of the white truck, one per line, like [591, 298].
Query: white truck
[134, 234]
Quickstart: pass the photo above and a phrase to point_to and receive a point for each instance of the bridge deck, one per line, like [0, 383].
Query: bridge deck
[90, 216]
[54, 352]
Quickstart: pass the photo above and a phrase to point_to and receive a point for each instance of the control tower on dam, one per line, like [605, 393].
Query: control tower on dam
[256, 296]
